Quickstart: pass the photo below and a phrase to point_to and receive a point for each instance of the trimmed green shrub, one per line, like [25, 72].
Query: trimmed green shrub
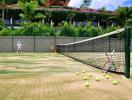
[65, 29]
[37, 29]
[94, 31]
[68, 30]
[5, 32]
[88, 31]
[82, 32]
[18, 32]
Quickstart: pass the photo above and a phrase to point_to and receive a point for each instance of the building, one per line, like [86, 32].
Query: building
[56, 3]
[12, 19]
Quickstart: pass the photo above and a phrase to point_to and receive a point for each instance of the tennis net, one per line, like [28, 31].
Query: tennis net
[106, 52]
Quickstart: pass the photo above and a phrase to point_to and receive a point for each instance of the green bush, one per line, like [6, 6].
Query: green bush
[129, 22]
[18, 32]
[2, 24]
[5, 32]
[37, 29]
[68, 30]
[65, 29]
[83, 32]
[110, 29]
[88, 31]
[91, 32]
[94, 31]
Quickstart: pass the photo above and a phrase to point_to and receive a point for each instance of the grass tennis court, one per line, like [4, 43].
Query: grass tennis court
[51, 76]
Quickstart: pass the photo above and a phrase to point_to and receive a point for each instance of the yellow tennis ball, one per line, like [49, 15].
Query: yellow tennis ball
[104, 74]
[97, 79]
[90, 75]
[77, 73]
[85, 78]
[107, 76]
[84, 71]
[87, 84]
[115, 82]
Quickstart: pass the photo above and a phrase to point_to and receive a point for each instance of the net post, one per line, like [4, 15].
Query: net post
[127, 52]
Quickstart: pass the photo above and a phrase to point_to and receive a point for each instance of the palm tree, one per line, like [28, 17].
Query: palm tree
[124, 13]
[28, 9]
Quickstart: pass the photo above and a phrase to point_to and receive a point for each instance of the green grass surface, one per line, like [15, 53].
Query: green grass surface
[51, 76]
[8, 72]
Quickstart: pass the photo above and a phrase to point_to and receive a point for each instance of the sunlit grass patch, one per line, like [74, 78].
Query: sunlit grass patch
[9, 72]
[57, 69]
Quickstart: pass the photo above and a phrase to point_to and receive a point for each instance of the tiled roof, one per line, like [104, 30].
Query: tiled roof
[14, 6]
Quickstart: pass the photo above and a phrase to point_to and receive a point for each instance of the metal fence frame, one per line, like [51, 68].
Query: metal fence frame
[34, 43]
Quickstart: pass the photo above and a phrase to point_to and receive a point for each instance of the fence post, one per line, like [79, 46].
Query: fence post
[127, 52]
[34, 43]
[12, 37]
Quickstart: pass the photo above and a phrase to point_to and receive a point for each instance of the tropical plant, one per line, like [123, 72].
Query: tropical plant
[124, 13]
[18, 32]
[129, 22]
[2, 24]
[88, 30]
[95, 31]
[110, 29]
[38, 29]
[68, 29]
[83, 32]
[5, 32]
[29, 10]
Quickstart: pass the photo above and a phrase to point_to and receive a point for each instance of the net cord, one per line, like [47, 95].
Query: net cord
[94, 38]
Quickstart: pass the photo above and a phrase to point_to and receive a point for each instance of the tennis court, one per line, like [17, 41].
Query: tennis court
[52, 76]
[110, 52]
